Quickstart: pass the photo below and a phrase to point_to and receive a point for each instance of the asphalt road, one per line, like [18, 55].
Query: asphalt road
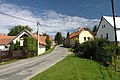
[27, 68]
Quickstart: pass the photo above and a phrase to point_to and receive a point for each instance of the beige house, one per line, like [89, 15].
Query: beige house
[20, 38]
[82, 35]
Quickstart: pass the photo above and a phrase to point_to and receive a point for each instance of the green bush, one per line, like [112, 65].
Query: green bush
[15, 46]
[30, 45]
[95, 49]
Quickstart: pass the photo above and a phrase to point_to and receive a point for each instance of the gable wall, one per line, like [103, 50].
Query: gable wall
[107, 29]
[85, 34]
[19, 40]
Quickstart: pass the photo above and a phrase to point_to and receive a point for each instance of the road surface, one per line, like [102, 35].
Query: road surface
[27, 68]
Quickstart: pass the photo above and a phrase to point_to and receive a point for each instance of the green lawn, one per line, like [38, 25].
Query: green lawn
[74, 68]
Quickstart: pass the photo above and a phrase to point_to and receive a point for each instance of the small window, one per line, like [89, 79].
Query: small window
[6, 46]
[104, 26]
[107, 36]
[84, 38]
[88, 38]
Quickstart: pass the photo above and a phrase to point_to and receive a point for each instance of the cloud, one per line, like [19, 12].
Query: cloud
[50, 21]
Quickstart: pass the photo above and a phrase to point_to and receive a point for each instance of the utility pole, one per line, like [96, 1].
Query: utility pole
[38, 37]
[116, 51]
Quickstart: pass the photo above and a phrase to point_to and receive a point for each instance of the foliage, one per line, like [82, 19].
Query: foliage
[48, 42]
[95, 28]
[58, 38]
[68, 34]
[74, 68]
[94, 48]
[11, 46]
[30, 44]
[15, 46]
[14, 31]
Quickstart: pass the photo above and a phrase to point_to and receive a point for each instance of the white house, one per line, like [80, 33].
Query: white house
[106, 28]
[82, 35]
[6, 40]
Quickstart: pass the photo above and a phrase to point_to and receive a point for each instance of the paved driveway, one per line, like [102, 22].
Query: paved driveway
[25, 69]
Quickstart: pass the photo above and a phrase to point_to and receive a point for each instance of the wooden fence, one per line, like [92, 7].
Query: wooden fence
[10, 55]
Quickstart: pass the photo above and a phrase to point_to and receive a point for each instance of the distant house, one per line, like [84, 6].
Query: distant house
[20, 38]
[82, 35]
[106, 28]
[4, 41]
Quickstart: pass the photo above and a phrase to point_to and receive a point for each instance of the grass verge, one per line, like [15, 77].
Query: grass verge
[70, 50]
[50, 50]
[74, 68]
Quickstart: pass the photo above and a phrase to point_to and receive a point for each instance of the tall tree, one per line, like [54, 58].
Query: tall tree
[48, 42]
[95, 29]
[68, 34]
[17, 29]
[58, 38]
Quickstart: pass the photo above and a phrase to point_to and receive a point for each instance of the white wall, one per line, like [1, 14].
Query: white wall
[42, 49]
[108, 29]
[85, 34]
[18, 39]
[118, 35]
[3, 48]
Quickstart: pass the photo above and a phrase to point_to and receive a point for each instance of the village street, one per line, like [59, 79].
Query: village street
[27, 68]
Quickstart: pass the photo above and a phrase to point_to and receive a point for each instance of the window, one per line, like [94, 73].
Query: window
[88, 38]
[107, 36]
[6, 46]
[104, 26]
[84, 38]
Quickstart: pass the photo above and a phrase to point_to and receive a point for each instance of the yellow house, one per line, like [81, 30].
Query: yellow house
[82, 35]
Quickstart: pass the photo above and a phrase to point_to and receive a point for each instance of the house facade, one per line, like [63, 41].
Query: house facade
[82, 35]
[20, 38]
[4, 42]
[106, 28]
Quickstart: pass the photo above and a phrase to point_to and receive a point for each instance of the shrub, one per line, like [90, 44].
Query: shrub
[30, 45]
[97, 49]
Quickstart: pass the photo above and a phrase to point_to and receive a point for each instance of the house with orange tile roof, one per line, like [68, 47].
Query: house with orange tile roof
[82, 35]
[6, 40]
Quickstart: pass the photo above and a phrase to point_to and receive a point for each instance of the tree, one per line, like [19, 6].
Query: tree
[58, 38]
[68, 34]
[14, 31]
[30, 45]
[48, 42]
[95, 29]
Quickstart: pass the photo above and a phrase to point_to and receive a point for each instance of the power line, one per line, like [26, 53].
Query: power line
[88, 6]
[23, 19]
[18, 17]
[83, 9]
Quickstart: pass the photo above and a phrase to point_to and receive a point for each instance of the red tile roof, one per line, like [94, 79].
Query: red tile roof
[4, 39]
[76, 34]
[42, 39]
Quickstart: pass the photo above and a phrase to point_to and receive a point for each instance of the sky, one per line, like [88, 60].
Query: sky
[55, 15]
